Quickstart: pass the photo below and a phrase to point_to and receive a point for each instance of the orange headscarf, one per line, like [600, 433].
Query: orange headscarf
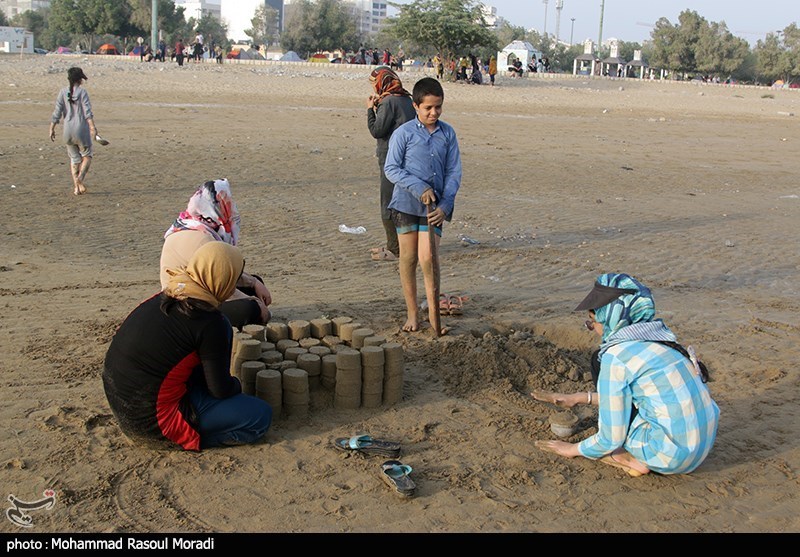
[385, 82]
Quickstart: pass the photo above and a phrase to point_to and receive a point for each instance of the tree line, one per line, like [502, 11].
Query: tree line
[450, 28]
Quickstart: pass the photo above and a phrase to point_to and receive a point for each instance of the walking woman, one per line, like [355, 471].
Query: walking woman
[74, 106]
[387, 108]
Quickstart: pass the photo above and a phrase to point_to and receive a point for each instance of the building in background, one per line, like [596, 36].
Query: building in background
[16, 40]
[369, 15]
[13, 7]
[490, 16]
[238, 15]
[199, 8]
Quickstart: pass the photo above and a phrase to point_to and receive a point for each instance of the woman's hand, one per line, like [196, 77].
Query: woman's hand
[561, 448]
[559, 399]
[262, 292]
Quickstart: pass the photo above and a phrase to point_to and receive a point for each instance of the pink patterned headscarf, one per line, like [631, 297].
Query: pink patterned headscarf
[211, 210]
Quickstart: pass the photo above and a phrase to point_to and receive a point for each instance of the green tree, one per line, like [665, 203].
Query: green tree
[778, 55]
[451, 28]
[718, 51]
[170, 19]
[214, 31]
[3, 20]
[696, 45]
[264, 28]
[89, 18]
[33, 21]
[323, 25]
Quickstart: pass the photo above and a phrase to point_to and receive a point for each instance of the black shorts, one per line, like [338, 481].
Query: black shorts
[405, 223]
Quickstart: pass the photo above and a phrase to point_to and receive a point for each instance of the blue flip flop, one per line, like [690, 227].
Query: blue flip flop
[367, 445]
[396, 476]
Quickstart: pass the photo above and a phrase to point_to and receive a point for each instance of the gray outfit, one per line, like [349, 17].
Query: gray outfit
[76, 128]
[392, 112]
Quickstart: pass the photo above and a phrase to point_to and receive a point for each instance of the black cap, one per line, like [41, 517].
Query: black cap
[602, 295]
[75, 73]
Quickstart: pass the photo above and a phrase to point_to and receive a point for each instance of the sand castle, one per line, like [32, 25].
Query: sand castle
[283, 363]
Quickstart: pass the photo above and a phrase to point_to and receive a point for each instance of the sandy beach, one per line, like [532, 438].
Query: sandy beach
[691, 188]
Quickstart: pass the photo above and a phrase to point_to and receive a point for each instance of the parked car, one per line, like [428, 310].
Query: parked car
[41, 51]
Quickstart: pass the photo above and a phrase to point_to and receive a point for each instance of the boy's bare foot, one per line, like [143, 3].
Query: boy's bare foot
[81, 187]
[411, 326]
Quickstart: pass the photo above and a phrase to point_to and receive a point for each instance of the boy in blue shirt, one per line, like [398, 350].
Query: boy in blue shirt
[424, 163]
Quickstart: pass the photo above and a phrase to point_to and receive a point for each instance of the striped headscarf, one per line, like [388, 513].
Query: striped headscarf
[630, 316]
[211, 209]
[386, 82]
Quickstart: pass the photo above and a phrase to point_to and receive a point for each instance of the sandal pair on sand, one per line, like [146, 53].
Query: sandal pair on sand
[448, 305]
[393, 472]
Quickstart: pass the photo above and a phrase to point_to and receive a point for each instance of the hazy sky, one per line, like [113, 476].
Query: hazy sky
[632, 20]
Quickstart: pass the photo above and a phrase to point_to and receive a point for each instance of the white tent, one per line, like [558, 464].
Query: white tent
[517, 49]
[291, 56]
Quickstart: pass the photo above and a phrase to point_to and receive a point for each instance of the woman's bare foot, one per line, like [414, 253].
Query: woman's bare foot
[623, 460]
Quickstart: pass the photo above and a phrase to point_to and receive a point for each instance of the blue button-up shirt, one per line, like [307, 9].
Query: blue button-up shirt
[419, 160]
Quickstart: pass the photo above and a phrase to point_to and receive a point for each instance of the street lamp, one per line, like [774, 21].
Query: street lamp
[544, 30]
[571, 31]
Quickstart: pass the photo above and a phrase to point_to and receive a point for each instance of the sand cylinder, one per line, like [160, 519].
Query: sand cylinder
[299, 328]
[266, 346]
[308, 342]
[312, 364]
[320, 350]
[393, 369]
[346, 331]
[347, 390]
[286, 364]
[277, 331]
[285, 343]
[258, 332]
[295, 393]
[328, 371]
[372, 360]
[293, 352]
[321, 328]
[337, 322]
[237, 338]
[247, 375]
[331, 342]
[248, 350]
[269, 388]
[374, 340]
[359, 335]
[271, 357]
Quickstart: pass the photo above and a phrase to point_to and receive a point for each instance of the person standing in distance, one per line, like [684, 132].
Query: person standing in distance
[388, 108]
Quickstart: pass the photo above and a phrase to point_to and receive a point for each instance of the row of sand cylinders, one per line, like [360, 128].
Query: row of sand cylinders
[282, 362]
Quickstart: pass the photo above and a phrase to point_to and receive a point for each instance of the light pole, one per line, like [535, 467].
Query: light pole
[571, 31]
[154, 25]
[600, 34]
[559, 7]
[544, 29]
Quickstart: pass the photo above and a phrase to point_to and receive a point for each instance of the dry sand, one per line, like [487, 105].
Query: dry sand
[693, 189]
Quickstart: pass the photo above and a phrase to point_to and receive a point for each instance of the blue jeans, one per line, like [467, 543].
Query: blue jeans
[238, 420]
